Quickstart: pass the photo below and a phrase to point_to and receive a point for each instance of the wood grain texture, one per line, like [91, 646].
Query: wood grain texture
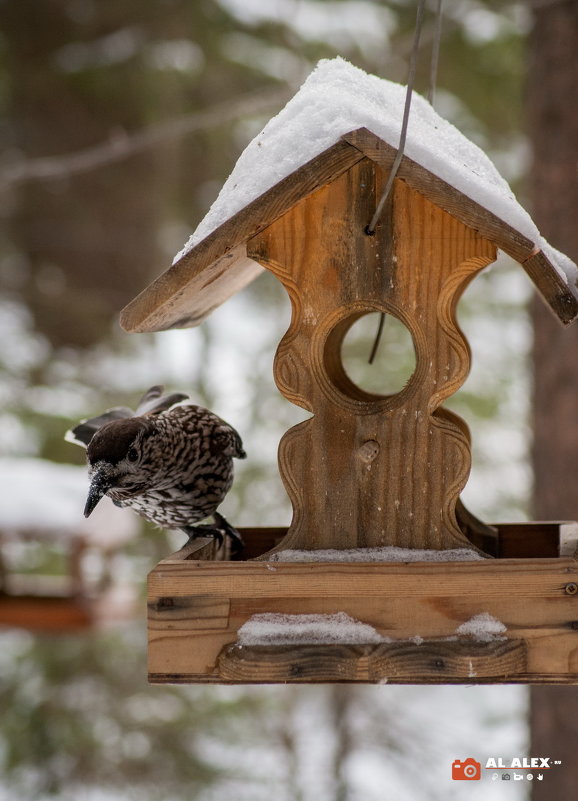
[561, 298]
[433, 661]
[444, 195]
[536, 578]
[406, 493]
[218, 267]
[197, 608]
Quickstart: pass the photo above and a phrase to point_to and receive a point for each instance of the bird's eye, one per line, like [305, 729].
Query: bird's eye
[132, 454]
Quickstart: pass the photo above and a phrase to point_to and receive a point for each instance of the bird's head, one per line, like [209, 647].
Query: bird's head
[115, 456]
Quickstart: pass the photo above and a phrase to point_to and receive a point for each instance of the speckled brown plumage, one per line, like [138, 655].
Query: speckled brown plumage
[173, 465]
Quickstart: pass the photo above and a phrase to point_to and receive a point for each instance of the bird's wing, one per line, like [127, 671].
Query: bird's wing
[154, 402]
[84, 431]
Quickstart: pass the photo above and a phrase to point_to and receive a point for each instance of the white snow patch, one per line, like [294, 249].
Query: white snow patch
[271, 628]
[482, 627]
[388, 553]
[46, 499]
[337, 98]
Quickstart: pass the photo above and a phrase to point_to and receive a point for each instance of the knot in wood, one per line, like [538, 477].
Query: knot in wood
[368, 451]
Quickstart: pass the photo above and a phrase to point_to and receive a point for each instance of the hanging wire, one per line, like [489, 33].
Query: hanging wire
[435, 54]
[370, 229]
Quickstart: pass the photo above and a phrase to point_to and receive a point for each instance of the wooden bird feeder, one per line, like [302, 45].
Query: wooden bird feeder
[366, 471]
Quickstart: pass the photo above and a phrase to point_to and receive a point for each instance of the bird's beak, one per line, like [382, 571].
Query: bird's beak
[98, 487]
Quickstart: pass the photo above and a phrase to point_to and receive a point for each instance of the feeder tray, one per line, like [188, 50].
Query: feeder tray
[195, 609]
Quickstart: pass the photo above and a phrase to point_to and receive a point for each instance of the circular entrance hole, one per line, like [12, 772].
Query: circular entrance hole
[395, 359]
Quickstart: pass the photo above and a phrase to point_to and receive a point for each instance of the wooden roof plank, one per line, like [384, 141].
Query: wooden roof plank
[552, 287]
[444, 195]
[163, 304]
[558, 295]
[218, 266]
[170, 302]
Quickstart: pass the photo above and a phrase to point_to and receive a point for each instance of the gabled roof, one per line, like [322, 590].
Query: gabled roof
[338, 117]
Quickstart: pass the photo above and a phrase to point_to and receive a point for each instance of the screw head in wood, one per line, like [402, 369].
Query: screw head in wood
[571, 588]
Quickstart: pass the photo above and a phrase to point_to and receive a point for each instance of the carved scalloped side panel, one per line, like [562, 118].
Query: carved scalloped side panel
[369, 470]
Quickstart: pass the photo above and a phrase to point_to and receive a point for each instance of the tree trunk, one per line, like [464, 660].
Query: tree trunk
[553, 119]
[86, 242]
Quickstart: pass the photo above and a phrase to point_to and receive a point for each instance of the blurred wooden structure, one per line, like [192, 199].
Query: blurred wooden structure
[365, 470]
[46, 603]
[66, 602]
[57, 576]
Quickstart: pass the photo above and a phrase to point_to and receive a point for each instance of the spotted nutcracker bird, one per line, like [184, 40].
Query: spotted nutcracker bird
[171, 462]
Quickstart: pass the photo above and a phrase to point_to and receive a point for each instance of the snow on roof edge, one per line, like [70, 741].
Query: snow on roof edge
[337, 98]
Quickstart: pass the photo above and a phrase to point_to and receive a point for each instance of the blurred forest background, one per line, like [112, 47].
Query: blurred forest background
[120, 120]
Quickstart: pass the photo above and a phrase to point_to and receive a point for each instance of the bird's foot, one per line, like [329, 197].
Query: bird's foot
[237, 544]
[203, 530]
[219, 530]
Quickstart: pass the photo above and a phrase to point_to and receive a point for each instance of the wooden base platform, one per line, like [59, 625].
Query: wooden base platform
[196, 607]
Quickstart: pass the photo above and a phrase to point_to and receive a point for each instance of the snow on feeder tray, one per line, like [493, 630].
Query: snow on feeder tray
[365, 502]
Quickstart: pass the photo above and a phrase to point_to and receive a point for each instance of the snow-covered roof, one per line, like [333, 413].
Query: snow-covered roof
[336, 100]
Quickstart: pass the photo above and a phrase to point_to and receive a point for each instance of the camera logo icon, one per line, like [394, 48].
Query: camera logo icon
[469, 769]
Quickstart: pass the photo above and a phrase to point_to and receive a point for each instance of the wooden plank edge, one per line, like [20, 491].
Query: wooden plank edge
[561, 537]
[556, 292]
[446, 196]
[429, 661]
[143, 313]
[557, 679]
[552, 287]
[560, 565]
[193, 302]
[568, 539]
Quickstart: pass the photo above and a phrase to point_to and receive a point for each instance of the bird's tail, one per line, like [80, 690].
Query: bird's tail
[152, 402]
